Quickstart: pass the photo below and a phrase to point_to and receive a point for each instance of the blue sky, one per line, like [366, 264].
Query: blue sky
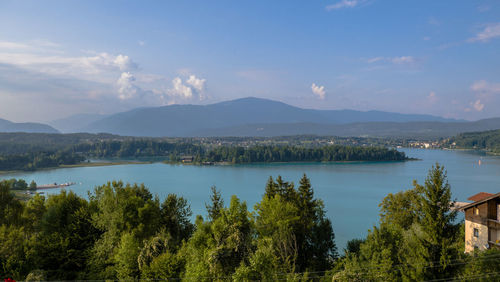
[59, 58]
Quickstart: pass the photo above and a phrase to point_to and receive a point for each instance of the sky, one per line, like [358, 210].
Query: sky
[59, 58]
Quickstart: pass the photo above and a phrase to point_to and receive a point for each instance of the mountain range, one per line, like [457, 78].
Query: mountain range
[259, 117]
[242, 117]
[32, 127]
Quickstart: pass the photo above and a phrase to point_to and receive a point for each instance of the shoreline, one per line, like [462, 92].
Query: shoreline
[291, 162]
[84, 164]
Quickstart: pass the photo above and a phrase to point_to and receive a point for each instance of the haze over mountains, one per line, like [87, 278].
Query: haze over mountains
[32, 127]
[261, 117]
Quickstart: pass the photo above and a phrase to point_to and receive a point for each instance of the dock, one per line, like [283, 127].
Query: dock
[55, 185]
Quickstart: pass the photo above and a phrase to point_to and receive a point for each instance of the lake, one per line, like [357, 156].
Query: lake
[351, 191]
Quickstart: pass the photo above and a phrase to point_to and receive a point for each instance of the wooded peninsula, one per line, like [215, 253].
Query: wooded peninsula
[37, 151]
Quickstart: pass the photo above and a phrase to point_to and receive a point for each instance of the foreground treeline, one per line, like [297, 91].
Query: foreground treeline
[59, 153]
[124, 232]
[418, 239]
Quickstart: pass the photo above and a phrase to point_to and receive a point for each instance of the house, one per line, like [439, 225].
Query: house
[482, 222]
[187, 159]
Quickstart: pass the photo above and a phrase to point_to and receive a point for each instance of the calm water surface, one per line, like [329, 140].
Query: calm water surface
[351, 191]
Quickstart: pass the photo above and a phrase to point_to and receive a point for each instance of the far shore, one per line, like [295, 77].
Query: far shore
[82, 164]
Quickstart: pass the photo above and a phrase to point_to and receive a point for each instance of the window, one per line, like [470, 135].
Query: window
[476, 211]
[476, 232]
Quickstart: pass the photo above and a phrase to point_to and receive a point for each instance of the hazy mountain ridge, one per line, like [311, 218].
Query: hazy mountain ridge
[29, 127]
[74, 123]
[375, 129]
[224, 117]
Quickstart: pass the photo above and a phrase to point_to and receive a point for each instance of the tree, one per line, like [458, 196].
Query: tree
[435, 243]
[175, 218]
[121, 209]
[62, 246]
[218, 247]
[216, 206]
[10, 207]
[482, 266]
[296, 222]
[402, 208]
[127, 267]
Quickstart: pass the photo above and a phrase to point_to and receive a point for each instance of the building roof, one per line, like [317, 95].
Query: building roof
[484, 199]
[479, 196]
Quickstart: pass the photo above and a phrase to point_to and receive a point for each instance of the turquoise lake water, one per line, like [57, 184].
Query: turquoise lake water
[351, 191]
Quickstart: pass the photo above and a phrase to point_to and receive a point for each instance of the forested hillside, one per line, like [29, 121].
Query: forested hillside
[485, 140]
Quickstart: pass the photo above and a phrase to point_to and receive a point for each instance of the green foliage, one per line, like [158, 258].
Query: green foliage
[403, 208]
[175, 213]
[418, 238]
[353, 246]
[214, 209]
[36, 160]
[61, 248]
[482, 266]
[127, 267]
[166, 266]
[328, 153]
[21, 151]
[13, 258]
[302, 236]
[437, 223]
[485, 140]
[123, 232]
[10, 207]
[218, 247]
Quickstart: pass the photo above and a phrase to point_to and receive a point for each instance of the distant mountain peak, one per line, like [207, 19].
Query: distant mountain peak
[196, 120]
[29, 127]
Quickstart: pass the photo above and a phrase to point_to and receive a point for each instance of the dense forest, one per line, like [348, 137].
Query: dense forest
[22, 151]
[485, 140]
[327, 153]
[122, 231]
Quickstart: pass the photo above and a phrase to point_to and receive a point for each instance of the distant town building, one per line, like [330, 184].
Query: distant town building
[187, 159]
[482, 222]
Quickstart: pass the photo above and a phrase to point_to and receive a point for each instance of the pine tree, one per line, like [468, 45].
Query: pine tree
[437, 225]
[217, 204]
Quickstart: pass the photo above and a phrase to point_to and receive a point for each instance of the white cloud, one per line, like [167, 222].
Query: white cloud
[343, 4]
[485, 93]
[375, 59]
[395, 60]
[197, 83]
[141, 43]
[485, 87]
[489, 32]
[13, 45]
[318, 91]
[432, 98]
[477, 105]
[82, 67]
[403, 60]
[42, 71]
[192, 88]
[126, 88]
[179, 89]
